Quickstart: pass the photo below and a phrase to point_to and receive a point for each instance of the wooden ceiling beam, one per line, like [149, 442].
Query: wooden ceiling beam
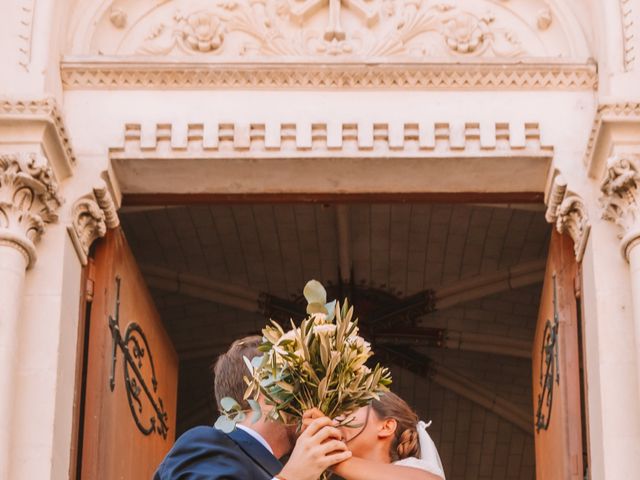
[424, 367]
[465, 290]
[455, 340]
[344, 243]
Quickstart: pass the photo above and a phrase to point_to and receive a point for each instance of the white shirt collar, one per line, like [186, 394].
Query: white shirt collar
[255, 435]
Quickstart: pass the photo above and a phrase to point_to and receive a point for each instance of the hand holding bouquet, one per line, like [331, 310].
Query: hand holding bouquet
[319, 364]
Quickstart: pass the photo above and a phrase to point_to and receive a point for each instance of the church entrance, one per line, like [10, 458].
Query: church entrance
[473, 306]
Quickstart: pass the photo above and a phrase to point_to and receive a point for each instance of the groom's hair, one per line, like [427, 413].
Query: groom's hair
[229, 370]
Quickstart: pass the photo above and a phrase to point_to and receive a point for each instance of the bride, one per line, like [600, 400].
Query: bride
[387, 441]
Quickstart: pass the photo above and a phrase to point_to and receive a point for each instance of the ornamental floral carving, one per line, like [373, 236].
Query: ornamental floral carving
[88, 225]
[296, 29]
[28, 200]
[620, 198]
[568, 212]
[572, 218]
[92, 215]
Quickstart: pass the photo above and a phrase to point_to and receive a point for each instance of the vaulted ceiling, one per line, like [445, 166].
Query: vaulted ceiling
[464, 365]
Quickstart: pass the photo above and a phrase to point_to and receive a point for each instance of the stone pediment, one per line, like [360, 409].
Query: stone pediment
[329, 31]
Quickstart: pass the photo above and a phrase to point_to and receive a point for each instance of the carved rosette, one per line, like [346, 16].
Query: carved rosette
[29, 200]
[567, 211]
[620, 198]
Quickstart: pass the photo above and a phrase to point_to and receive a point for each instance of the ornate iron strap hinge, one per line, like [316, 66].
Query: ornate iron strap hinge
[135, 349]
[548, 358]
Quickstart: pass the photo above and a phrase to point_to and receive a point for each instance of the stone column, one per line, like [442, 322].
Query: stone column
[28, 201]
[620, 200]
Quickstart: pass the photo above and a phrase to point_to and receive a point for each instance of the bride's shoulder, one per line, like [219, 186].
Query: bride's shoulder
[408, 462]
[422, 464]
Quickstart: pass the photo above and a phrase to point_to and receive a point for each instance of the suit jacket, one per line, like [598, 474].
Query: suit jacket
[206, 453]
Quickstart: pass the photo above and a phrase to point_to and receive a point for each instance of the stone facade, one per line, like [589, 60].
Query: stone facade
[105, 100]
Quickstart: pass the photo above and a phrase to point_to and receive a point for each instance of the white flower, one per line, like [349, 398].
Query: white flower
[326, 329]
[359, 343]
[290, 335]
[319, 318]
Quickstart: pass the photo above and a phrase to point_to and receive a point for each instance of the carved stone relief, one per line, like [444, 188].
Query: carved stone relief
[92, 215]
[620, 198]
[568, 212]
[28, 200]
[328, 29]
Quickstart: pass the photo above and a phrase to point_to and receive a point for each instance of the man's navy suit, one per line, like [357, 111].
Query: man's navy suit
[205, 453]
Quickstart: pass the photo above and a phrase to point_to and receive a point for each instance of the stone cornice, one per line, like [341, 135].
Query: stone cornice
[135, 73]
[44, 111]
[608, 117]
[332, 139]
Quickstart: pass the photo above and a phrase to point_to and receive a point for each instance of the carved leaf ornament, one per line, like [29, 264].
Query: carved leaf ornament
[247, 29]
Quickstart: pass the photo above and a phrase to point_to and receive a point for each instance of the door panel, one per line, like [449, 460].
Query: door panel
[556, 369]
[130, 404]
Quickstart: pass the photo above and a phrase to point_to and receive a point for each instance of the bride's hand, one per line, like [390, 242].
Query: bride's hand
[309, 416]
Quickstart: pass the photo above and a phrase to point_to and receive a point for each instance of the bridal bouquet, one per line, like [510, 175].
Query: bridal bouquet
[320, 363]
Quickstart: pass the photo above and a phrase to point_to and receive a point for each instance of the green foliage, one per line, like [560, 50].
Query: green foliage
[321, 363]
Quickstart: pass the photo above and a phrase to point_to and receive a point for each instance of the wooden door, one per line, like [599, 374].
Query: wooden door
[131, 373]
[556, 369]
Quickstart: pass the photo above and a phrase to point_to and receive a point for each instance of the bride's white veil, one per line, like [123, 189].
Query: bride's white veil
[429, 459]
[428, 452]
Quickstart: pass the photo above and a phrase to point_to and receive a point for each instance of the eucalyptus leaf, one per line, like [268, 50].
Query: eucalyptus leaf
[225, 424]
[228, 404]
[314, 292]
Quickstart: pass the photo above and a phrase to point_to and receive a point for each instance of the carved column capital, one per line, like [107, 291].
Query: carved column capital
[620, 198]
[29, 200]
[92, 215]
[567, 211]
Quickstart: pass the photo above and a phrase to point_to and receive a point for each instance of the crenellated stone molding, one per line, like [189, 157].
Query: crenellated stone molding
[333, 138]
[97, 74]
[620, 198]
[29, 200]
[567, 211]
[91, 216]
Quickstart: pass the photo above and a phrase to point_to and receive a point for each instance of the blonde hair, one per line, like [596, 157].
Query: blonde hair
[405, 441]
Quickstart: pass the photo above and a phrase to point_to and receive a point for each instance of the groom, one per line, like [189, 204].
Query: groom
[251, 452]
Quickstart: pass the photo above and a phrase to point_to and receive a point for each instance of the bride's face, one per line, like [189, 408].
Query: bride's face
[365, 431]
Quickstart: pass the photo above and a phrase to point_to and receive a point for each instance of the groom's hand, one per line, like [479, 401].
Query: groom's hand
[318, 447]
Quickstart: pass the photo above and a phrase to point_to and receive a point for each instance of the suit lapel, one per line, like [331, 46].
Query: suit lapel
[257, 452]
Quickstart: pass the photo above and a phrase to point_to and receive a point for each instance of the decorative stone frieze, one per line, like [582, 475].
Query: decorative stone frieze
[29, 200]
[620, 198]
[567, 211]
[312, 30]
[105, 74]
[92, 215]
